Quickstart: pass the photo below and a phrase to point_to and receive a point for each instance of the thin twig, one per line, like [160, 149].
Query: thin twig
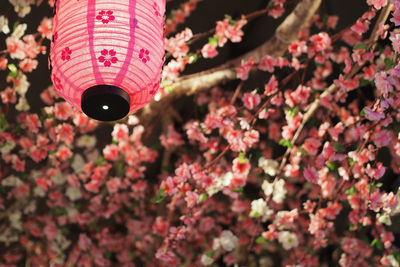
[332, 88]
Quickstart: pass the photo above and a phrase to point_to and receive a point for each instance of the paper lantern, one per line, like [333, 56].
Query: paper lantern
[107, 56]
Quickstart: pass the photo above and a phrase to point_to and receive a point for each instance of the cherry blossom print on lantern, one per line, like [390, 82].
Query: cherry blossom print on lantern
[107, 56]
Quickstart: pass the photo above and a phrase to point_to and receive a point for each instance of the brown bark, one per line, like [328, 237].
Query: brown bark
[286, 33]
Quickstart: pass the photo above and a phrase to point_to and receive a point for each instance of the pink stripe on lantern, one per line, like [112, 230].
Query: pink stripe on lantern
[90, 20]
[124, 68]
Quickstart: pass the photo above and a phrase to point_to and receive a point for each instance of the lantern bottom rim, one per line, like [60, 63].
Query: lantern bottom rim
[105, 102]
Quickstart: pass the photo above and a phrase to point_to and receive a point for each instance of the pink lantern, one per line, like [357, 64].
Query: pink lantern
[107, 56]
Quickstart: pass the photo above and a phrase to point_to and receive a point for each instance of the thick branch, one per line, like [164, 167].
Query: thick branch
[286, 33]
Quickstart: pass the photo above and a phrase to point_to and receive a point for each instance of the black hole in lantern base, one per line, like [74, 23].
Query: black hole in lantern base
[105, 102]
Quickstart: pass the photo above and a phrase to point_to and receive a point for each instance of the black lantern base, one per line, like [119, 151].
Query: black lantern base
[105, 102]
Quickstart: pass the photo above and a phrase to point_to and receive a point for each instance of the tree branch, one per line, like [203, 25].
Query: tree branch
[332, 88]
[286, 33]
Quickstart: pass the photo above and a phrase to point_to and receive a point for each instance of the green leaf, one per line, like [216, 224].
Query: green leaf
[3, 123]
[254, 214]
[59, 212]
[242, 158]
[362, 113]
[377, 243]
[131, 254]
[351, 191]
[360, 46]
[64, 229]
[285, 143]
[213, 40]
[160, 196]
[388, 63]
[260, 240]
[120, 169]
[193, 57]
[364, 82]
[325, 20]
[292, 112]
[231, 21]
[331, 166]
[237, 190]
[339, 147]
[203, 197]
[107, 255]
[94, 225]
[13, 70]
[100, 161]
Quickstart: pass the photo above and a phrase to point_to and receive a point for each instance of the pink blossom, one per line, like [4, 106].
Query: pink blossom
[378, 4]
[241, 166]
[361, 26]
[321, 42]
[251, 100]
[8, 96]
[311, 175]
[242, 72]
[62, 110]
[297, 48]
[395, 38]
[266, 63]
[120, 132]
[373, 115]
[191, 199]
[28, 65]
[46, 27]
[113, 185]
[311, 145]
[84, 242]
[172, 138]
[381, 138]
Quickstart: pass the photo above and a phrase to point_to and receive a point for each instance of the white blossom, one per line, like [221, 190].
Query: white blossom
[276, 188]
[59, 178]
[93, 155]
[23, 84]
[73, 193]
[22, 7]
[11, 180]
[86, 141]
[78, 164]
[268, 188]
[7, 237]
[133, 120]
[4, 25]
[392, 260]
[227, 241]
[19, 31]
[6, 147]
[206, 260]
[269, 166]
[288, 240]
[39, 192]
[31, 207]
[385, 219]
[15, 220]
[219, 183]
[259, 208]
[279, 191]
[22, 104]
